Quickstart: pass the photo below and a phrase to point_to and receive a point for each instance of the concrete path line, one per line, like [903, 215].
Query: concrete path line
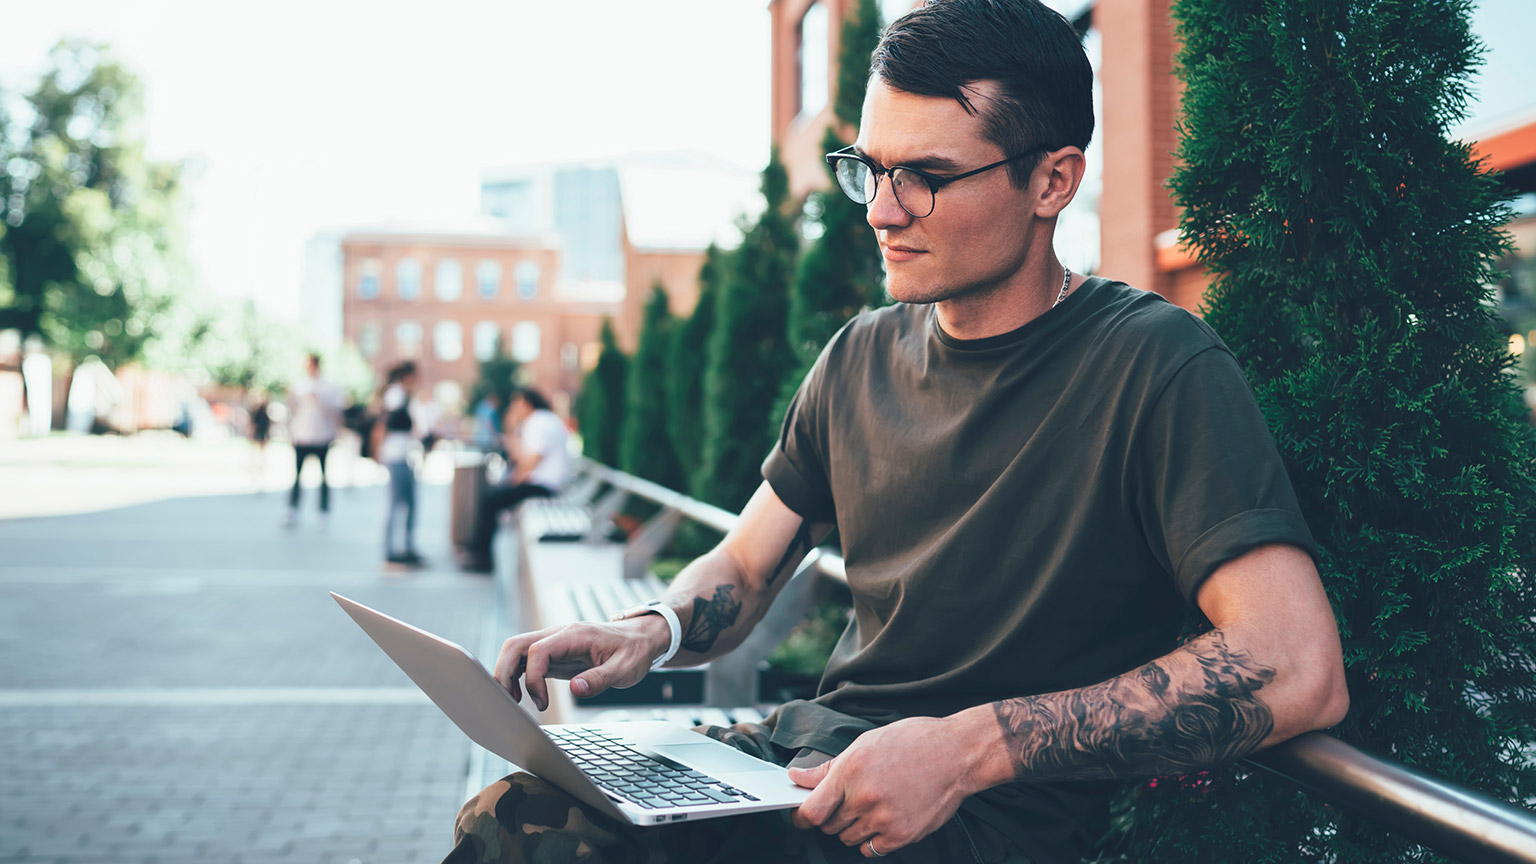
[210, 696]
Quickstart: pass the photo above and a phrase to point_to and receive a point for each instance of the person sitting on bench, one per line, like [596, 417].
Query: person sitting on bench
[536, 441]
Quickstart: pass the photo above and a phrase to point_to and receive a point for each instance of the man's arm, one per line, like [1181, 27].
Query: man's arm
[718, 599]
[1271, 669]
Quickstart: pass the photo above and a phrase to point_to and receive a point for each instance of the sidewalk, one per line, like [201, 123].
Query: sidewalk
[177, 686]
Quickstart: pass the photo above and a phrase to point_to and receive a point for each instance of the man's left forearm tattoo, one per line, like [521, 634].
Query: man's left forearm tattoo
[1185, 712]
[711, 618]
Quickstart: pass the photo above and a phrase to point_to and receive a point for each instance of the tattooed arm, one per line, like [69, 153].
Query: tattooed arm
[718, 599]
[722, 595]
[1270, 670]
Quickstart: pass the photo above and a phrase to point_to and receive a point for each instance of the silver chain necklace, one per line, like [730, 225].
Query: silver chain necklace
[1066, 280]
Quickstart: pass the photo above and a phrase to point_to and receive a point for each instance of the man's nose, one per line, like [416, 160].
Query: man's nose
[885, 211]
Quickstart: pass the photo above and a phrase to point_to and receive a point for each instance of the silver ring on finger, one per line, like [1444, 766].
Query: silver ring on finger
[872, 850]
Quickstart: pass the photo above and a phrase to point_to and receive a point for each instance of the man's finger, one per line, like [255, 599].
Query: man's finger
[509, 664]
[592, 682]
[810, 778]
[819, 807]
[535, 670]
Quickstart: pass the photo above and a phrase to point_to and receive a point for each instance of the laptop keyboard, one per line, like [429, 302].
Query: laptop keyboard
[652, 781]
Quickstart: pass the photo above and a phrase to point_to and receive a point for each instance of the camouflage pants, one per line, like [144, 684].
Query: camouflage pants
[521, 819]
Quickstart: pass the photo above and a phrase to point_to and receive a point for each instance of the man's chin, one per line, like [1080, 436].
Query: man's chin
[913, 291]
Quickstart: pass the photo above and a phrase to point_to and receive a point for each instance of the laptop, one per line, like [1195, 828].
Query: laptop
[643, 772]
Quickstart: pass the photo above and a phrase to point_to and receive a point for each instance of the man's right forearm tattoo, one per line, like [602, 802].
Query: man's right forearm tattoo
[798, 546]
[711, 618]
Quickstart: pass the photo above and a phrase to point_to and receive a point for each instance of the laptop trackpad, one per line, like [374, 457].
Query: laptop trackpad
[712, 758]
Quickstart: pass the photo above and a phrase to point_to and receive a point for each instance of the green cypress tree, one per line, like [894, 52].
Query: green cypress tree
[685, 373]
[1352, 246]
[646, 447]
[841, 271]
[498, 377]
[600, 408]
[749, 354]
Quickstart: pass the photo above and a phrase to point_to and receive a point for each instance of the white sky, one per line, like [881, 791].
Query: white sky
[305, 116]
[321, 114]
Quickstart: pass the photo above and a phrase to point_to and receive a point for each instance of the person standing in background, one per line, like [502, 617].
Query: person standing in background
[395, 436]
[261, 431]
[314, 418]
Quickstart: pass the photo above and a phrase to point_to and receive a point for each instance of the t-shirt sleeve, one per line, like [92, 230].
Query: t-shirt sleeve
[1210, 482]
[796, 468]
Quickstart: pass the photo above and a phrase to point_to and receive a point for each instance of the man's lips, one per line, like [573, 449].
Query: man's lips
[897, 252]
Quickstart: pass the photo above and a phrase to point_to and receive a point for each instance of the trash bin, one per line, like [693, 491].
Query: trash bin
[464, 498]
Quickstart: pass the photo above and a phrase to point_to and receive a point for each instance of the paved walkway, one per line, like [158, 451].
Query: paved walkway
[177, 686]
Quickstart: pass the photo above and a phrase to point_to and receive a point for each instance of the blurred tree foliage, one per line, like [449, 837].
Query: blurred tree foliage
[247, 349]
[685, 373]
[840, 273]
[645, 448]
[92, 244]
[1353, 245]
[499, 375]
[749, 354]
[600, 407]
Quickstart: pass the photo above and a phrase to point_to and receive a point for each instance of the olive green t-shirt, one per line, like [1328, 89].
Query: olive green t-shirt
[1022, 514]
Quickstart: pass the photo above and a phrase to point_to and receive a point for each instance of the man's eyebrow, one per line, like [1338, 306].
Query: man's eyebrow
[921, 163]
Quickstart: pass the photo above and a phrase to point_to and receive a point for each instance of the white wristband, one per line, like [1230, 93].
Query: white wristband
[674, 627]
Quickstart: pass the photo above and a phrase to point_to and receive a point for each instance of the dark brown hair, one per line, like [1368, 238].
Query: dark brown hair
[1045, 97]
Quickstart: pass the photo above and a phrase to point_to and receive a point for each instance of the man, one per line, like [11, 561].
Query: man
[537, 444]
[1034, 476]
[314, 418]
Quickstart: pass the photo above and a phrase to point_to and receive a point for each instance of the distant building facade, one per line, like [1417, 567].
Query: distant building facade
[555, 251]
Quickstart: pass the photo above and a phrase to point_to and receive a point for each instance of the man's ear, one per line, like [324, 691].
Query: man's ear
[1057, 177]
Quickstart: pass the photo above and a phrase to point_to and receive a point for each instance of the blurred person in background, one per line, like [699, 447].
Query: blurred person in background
[314, 418]
[396, 436]
[537, 445]
[261, 432]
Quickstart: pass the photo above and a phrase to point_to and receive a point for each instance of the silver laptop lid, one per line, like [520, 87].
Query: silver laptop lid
[476, 703]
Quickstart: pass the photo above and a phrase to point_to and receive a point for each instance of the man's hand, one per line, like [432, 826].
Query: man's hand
[593, 657]
[895, 785]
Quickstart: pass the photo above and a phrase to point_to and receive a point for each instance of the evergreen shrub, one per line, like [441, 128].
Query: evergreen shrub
[1351, 244]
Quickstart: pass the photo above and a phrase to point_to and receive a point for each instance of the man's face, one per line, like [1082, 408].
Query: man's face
[979, 231]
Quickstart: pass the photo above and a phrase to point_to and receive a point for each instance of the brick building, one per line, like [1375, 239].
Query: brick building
[555, 251]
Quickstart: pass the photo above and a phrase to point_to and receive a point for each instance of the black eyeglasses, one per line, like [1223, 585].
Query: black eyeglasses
[859, 179]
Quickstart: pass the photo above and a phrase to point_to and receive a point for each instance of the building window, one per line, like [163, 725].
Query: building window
[369, 339]
[368, 279]
[448, 341]
[525, 342]
[408, 340]
[408, 278]
[448, 281]
[813, 60]
[527, 280]
[486, 335]
[449, 396]
[488, 278]
[570, 356]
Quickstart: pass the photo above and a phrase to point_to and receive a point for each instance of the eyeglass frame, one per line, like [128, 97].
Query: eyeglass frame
[934, 181]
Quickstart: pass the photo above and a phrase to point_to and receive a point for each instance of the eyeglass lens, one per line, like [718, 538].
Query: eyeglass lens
[859, 183]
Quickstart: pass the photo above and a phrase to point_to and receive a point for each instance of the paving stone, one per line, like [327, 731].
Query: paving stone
[212, 592]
